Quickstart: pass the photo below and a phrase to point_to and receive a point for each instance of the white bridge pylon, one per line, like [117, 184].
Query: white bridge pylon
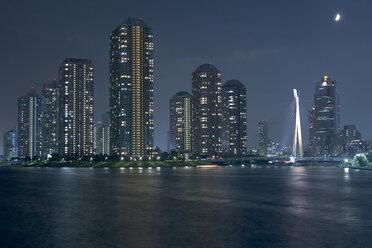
[297, 141]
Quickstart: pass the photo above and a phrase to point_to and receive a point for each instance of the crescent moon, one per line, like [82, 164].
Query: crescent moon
[338, 17]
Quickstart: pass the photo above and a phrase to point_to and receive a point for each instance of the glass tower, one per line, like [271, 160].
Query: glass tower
[324, 119]
[10, 145]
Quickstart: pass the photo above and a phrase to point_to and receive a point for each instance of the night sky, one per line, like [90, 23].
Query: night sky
[270, 46]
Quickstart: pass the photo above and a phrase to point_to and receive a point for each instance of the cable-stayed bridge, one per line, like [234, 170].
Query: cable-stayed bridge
[293, 127]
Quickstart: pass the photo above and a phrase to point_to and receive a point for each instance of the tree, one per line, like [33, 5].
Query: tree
[55, 157]
[362, 160]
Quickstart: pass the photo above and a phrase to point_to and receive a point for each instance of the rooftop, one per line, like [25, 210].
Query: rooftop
[77, 61]
[233, 83]
[182, 93]
[206, 67]
[135, 22]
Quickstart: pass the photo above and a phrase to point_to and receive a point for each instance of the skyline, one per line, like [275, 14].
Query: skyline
[254, 61]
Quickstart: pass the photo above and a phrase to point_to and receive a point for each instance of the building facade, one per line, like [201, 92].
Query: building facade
[49, 118]
[351, 140]
[206, 110]
[102, 135]
[131, 90]
[10, 145]
[180, 122]
[234, 113]
[98, 138]
[29, 125]
[263, 138]
[75, 108]
[106, 133]
[324, 120]
[349, 134]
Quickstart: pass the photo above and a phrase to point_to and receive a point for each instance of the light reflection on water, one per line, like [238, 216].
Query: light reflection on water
[254, 206]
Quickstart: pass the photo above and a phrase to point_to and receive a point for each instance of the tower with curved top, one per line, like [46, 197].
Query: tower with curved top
[206, 113]
[131, 90]
[234, 113]
[180, 122]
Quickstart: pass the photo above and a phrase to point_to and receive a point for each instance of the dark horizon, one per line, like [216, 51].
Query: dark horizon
[270, 48]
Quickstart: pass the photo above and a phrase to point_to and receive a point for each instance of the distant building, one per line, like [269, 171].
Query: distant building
[75, 108]
[180, 122]
[29, 125]
[102, 135]
[98, 138]
[10, 145]
[131, 90]
[234, 113]
[324, 119]
[263, 138]
[106, 133]
[357, 146]
[351, 140]
[312, 150]
[206, 113]
[273, 149]
[48, 119]
[349, 134]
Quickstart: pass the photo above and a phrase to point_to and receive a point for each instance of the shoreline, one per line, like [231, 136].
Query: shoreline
[360, 168]
[109, 164]
[155, 164]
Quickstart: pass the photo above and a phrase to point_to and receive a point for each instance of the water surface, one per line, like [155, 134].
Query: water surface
[264, 206]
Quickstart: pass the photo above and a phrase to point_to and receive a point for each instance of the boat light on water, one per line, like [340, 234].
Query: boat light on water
[208, 166]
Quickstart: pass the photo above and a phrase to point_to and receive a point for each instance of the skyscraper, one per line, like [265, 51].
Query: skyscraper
[349, 134]
[106, 133]
[234, 112]
[312, 148]
[324, 119]
[48, 118]
[29, 125]
[349, 137]
[180, 122]
[75, 108]
[97, 138]
[102, 135]
[206, 113]
[10, 145]
[131, 89]
[263, 138]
